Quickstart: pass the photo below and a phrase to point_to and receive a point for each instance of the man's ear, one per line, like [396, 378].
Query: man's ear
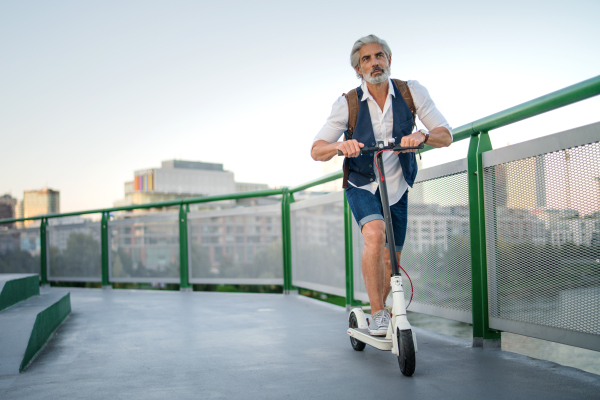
[390, 60]
[358, 71]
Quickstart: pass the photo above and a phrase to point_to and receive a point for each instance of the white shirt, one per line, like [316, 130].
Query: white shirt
[383, 123]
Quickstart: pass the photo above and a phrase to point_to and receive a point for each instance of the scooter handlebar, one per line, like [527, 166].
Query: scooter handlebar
[367, 150]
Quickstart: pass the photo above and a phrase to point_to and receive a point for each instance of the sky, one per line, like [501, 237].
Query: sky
[91, 91]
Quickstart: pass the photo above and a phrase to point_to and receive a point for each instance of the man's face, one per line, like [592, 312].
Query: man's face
[374, 63]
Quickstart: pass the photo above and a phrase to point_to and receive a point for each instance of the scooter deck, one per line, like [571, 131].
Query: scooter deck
[379, 342]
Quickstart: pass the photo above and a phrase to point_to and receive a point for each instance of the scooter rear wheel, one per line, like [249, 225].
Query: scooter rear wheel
[356, 344]
[406, 359]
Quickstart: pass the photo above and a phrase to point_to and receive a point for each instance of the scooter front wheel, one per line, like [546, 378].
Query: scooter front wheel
[356, 344]
[406, 357]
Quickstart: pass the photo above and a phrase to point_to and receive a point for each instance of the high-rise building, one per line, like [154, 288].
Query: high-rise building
[177, 179]
[19, 213]
[40, 202]
[7, 207]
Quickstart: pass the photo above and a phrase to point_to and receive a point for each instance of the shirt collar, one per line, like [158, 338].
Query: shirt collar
[366, 95]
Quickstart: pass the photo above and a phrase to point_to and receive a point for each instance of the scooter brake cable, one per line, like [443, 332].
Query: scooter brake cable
[411, 285]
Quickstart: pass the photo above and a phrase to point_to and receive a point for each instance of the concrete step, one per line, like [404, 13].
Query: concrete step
[17, 287]
[26, 328]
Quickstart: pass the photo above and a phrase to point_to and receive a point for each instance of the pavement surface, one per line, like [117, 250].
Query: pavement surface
[126, 344]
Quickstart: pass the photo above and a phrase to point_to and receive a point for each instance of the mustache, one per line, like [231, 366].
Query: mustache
[377, 68]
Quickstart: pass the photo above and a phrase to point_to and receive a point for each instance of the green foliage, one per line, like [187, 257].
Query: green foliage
[326, 297]
[19, 262]
[81, 258]
[124, 265]
[239, 288]
[545, 270]
[314, 256]
[266, 263]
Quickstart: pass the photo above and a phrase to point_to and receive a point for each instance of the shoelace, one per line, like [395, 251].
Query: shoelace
[379, 318]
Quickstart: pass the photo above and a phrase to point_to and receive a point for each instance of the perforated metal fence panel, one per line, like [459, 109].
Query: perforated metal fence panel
[542, 206]
[318, 245]
[74, 252]
[20, 251]
[144, 249]
[236, 246]
[436, 252]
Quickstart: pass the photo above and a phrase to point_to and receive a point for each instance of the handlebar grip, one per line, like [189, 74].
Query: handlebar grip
[367, 150]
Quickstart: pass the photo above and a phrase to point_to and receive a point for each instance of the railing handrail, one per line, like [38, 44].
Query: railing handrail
[168, 203]
[560, 98]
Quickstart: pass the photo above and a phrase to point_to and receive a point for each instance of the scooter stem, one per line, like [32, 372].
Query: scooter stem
[385, 202]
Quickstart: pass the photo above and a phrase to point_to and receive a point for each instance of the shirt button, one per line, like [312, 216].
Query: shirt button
[370, 165]
[373, 144]
[371, 179]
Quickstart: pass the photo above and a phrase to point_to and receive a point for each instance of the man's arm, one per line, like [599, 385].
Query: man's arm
[439, 132]
[325, 151]
[438, 137]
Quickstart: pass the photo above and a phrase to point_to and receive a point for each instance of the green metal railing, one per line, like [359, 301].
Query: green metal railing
[478, 134]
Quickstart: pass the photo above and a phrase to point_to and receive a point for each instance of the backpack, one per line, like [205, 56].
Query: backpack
[352, 99]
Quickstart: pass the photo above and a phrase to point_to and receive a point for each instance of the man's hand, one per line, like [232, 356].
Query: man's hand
[350, 148]
[412, 140]
[325, 151]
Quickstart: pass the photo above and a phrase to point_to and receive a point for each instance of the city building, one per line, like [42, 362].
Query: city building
[40, 202]
[177, 179]
[19, 213]
[7, 208]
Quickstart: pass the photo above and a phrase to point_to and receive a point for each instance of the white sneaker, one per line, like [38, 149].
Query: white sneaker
[378, 325]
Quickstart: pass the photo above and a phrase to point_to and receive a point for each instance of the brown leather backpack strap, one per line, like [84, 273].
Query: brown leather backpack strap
[352, 99]
[407, 96]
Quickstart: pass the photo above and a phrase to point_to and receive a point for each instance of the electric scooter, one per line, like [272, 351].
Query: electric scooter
[400, 338]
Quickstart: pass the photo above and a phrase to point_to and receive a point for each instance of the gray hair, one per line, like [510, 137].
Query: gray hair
[355, 53]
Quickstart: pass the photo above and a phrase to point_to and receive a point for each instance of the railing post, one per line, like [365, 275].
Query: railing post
[43, 253]
[350, 301]
[482, 334]
[104, 248]
[286, 240]
[184, 272]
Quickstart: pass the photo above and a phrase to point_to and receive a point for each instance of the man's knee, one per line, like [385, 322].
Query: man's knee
[374, 233]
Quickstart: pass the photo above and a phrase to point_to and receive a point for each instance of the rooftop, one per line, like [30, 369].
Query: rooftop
[192, 165]
[161, 344]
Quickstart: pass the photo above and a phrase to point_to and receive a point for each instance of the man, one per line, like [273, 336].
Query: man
[382, 114]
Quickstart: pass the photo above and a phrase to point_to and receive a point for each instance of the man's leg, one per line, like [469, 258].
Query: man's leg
[373, 271]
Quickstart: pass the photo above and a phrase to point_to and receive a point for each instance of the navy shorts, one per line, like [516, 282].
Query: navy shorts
[366, 207]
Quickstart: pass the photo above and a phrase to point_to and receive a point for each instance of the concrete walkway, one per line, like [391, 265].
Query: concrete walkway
[125, 344]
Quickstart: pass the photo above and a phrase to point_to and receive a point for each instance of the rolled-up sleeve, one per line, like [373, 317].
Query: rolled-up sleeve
[336, 123]
[426, 110]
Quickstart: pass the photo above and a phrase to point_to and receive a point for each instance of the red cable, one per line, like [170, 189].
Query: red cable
[375, 161]
[411, 286]
[383, 179]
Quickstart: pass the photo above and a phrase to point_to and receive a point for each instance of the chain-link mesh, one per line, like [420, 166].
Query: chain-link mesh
[236, 246]
[318, 245]
[145, 249]
[543, 239]
[20, 251]
[436, 252]
[74, 252]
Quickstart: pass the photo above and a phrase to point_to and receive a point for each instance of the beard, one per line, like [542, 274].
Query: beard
[377, 79]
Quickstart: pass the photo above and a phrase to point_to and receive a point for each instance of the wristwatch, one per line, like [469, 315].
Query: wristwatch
[426, 134]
